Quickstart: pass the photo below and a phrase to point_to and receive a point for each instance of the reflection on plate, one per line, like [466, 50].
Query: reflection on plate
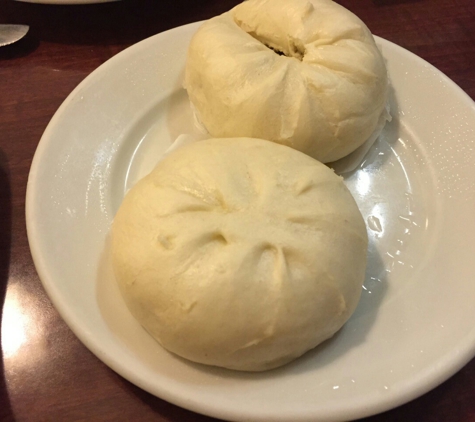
[416, 188]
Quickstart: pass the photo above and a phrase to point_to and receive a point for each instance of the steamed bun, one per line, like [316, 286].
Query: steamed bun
[303, 73]
[240, 253]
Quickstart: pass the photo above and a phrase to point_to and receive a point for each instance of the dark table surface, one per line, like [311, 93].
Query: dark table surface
[46, 372]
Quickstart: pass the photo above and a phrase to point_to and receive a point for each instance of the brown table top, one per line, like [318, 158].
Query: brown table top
[48, 374]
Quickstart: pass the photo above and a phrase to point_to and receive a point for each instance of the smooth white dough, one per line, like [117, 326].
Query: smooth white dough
[240, 253]
[325, 97]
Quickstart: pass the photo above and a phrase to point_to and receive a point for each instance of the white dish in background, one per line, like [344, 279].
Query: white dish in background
[414, 325]
[67, 1]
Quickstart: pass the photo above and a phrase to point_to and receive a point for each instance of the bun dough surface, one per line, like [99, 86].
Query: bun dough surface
[240, 253]
[303, 73]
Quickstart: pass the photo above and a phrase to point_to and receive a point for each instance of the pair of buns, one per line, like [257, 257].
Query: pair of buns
[240, 252]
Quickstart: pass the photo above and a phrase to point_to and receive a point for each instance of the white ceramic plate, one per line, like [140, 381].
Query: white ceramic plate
[414, 325]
